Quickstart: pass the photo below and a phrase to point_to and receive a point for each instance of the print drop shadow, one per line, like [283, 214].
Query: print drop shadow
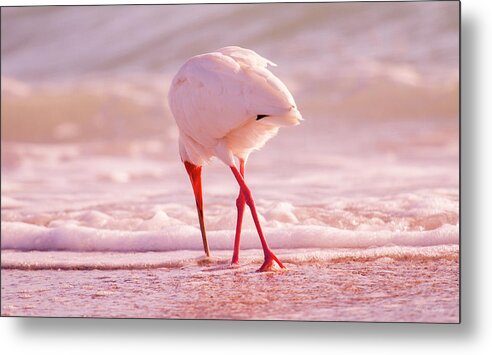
[206, 330]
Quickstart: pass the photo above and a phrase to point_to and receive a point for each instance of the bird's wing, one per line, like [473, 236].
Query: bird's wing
[246, 57]
[264, 93]
[215, 93]
[205, 97]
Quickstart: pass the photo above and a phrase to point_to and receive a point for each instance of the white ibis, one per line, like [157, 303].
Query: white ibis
[226, 104]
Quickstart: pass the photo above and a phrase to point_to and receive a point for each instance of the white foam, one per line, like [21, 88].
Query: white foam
[282, 212]
[70, 237]
[37, 260]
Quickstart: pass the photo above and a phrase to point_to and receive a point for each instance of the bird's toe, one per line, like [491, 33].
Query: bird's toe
[271, 264]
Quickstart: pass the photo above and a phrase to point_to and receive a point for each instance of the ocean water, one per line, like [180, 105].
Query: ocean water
[361, 201]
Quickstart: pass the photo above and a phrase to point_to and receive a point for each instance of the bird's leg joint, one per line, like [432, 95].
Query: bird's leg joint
[247, 195]
[245, 191]
[240, 200]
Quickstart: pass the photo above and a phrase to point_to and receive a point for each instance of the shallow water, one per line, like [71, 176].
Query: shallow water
[361, 200]
[384, 288]
[324, 194]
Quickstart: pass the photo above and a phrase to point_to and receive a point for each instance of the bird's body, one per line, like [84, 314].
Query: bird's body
[227, 104]
[216, 99]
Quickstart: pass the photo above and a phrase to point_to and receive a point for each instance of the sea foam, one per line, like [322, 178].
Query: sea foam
[70, 237]
[220, 260]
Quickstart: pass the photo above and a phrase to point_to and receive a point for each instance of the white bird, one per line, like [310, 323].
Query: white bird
[226, 104]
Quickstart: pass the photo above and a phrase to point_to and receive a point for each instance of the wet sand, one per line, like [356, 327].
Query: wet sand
[383, 290]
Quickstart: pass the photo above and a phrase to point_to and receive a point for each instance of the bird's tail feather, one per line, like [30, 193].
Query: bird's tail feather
[292, 118]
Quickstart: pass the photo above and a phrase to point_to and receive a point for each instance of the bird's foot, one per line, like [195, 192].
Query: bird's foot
[235, 260]
[206, 260]
[271, 263]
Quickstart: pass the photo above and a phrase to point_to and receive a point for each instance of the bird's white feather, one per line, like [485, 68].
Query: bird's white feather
[246, 57]
[215, 99]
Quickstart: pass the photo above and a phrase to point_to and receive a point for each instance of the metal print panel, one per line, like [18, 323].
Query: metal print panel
[283, 161]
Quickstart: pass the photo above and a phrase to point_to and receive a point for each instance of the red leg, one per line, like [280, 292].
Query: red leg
[270, 257]
[195, 174]
[240, 202]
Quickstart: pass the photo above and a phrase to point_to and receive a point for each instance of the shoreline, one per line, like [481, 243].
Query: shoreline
[380, 290]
